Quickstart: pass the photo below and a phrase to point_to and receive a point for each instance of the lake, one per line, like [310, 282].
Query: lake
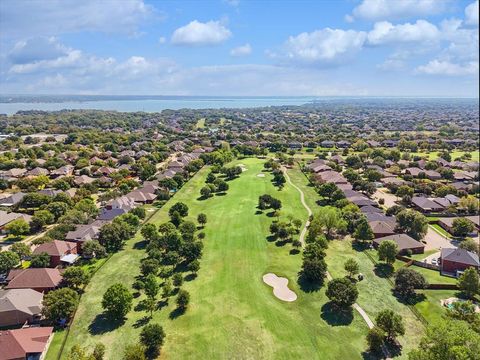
[156, 105]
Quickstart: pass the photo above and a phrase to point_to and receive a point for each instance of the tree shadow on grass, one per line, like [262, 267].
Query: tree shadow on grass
[294, 251]
[258, 212]
[370, 355]
[271, 238]
[221, 193]
[334, 316]
[190, 277]
[281, 243]
[161, 304]
[394, 348]
[271, 214]
[140, 245]
[360, 246]
[103, 324]
[176, 313]
[383, 270]
[142, 322]
[410, 300]
[308, 286]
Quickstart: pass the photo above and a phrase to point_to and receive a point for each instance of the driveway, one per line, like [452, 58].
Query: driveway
[383, 193]
[435, 241]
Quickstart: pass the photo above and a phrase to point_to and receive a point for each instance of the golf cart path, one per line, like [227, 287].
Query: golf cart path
[357, 307]
[302, 200]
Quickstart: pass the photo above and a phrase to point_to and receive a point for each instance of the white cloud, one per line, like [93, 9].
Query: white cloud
[471, 14]
[197, 33]
[385, 32]
[397, 9]
[36, 48]
[54, 17]
[162, 40]
[242, 50]
[322, 47]
[233, 3]
[438, 67]
[392, 64]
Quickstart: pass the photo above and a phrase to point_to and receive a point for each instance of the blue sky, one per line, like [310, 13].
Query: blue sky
[240, 47]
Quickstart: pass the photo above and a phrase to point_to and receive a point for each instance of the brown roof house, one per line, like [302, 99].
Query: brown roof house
[29, 343]
[59, 251]
[39, 279]
[457, 259]
[405, 243]
[426, 205]
[20, 306]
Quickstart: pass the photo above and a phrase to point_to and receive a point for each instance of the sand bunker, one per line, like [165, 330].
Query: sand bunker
[261, 175]
[280, 287]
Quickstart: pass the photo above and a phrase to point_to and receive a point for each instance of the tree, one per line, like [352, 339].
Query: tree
[152, 337]
[167, 288]
[342, 292]
[113, 235]
[149, 266]
[179, 207]
[59, 304]
[352, 267]
[149, 232]
[314, 270]
[465, 311]
[375, 339]
[363, 231]
[194, 266]
[17, 227]
[469, 203]
[205, 192]
[469, 282]
[462, 227]
[134, 352]
[92, 248]
[8, 260]
[202, 219]
[391, 323]
[413, 223]
[183, 298]
[387, 251]
[448, 340]
[470, 245]
[21, 249]
[41, 260]
[151, 286]
[177, 279]
[117, 301]
[75, 277]
[330, 219]
[98, 351]
[407, 280]
[57, 208]
[275, 204]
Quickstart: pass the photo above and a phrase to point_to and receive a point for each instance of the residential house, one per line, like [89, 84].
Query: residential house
[8, 217]
[58, 251]
[425, 205]
[29, 343]
[38, 279]
[454, 260]
[404, 242]
[20, 306]
[12, 200]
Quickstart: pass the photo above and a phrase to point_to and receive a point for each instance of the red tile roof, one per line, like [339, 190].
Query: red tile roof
[55, 248]
[34, 278]
[16, 344]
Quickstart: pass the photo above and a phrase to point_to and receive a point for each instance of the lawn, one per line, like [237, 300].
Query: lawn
[433, 155]
[374, 292]
[430, 308]
[232, 313]
[441, 230]
[200, 123]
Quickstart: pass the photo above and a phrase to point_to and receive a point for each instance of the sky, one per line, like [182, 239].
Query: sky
[240, 47]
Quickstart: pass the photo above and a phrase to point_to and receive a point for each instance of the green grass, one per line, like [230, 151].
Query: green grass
[441, 230]
[232, 313]
[433, 155]
[375, 293]
[56, 344]
[431, 308]
[420, 257]
[200, 123]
